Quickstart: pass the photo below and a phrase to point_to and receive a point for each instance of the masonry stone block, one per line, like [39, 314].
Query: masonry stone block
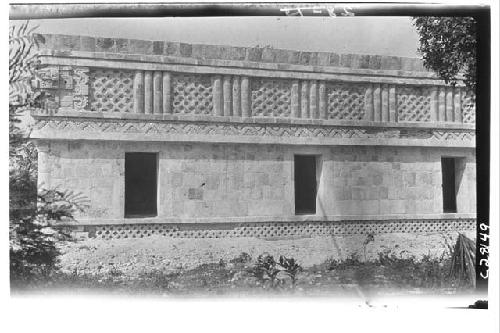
[359, 193]
[104, 44]
[377, 179]
[409, 179]
[410, 206]
[249, 180]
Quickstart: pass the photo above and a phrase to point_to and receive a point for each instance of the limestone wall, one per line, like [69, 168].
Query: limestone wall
[249, 182]
[106, 75]
[226, 123]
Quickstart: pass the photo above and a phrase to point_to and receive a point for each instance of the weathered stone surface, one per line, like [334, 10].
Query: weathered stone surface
[258, 182]
[119, 45]
[226, 123]
[158, 47]
[105, 44]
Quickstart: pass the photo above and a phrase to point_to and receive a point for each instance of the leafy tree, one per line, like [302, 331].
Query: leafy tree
[448, 46]
[33, 251]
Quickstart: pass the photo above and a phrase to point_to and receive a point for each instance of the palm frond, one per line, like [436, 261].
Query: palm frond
[463, 261]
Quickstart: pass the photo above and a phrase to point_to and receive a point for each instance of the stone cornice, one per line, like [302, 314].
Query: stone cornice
[223, 52]
[252, 61]
[72, 128]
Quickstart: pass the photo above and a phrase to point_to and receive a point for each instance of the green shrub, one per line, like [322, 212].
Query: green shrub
[290, 267]
[266, 270]
[243, 258]
[33, 253]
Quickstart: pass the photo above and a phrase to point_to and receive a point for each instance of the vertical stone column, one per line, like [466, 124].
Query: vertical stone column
[295, 99]
[385, 103]
[434, 104]
[43, 149]
[304, 100]
[322, 100]
[139, 92]
[245, 97]
[457, 105]
[392, 104]
[369, 103]
[167, 92]
[148, 92]
[226, 95]
[217, 95]
[158, 92]
[236, 96]
[313, 100]
[376, 103]
[442, 104]
[449, 104]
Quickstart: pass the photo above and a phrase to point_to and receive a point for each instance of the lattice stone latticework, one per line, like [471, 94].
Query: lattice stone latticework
[271, 98]
[192, 94]
[111, 90]
[281, 229]
[346, 101]
[414, 104]
[468, 108]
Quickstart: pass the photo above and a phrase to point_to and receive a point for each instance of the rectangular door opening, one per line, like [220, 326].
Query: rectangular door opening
[448, 184]
[140, 184]
[305, 184]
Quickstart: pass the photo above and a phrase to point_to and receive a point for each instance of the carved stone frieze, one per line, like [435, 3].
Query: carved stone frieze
[81, 88]
[271, 98]
[111, 90]
[258, 130]
[414, 104]
[346, 101]
[192, 94]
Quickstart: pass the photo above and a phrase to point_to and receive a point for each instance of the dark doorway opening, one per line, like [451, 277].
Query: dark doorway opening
[140, 184]
[305, 184]
[448, 184]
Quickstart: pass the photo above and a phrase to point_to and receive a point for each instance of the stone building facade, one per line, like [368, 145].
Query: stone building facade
[215, 141]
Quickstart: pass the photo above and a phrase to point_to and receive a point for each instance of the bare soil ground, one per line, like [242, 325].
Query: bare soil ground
[133, 257]
[394, 264]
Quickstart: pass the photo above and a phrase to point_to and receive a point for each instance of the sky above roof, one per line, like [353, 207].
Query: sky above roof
[362, 35]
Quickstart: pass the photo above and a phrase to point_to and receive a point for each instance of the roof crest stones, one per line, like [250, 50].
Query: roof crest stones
[75, 43]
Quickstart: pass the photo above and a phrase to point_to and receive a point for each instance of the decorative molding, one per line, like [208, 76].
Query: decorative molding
[190, 128]
[280, 229]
